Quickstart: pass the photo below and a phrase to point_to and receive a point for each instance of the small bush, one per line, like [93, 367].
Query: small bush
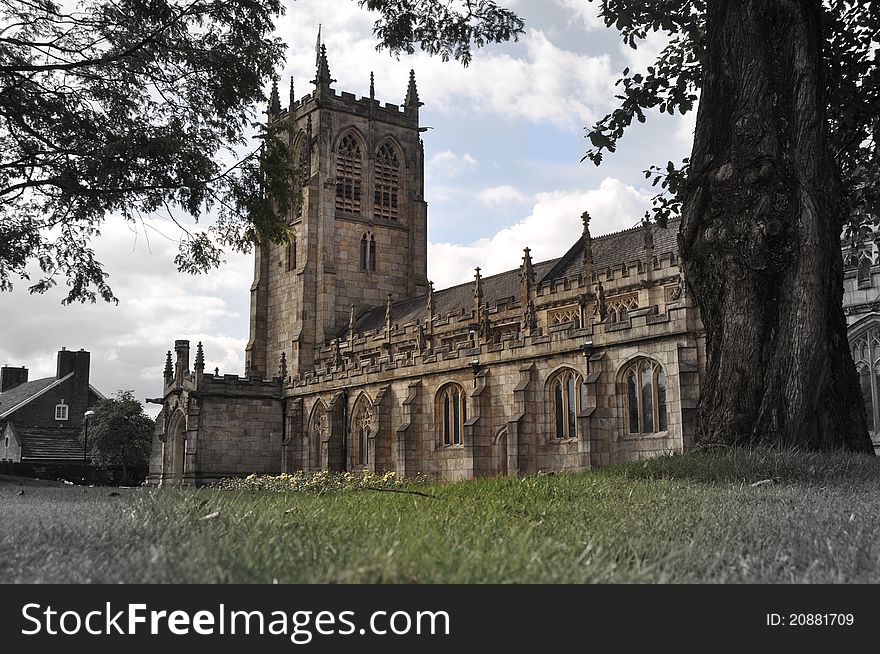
[317, 482]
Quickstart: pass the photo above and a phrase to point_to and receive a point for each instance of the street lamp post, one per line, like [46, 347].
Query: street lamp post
[88, 414]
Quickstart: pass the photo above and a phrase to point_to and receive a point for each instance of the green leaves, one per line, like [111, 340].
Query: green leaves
[120, 433]
[127, 109]
[672, 84]
[444, 29]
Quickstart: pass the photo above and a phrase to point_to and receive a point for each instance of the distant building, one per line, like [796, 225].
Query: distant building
[40, 420]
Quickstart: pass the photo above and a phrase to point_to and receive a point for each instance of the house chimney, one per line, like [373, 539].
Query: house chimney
[77, 363]
[11, 377]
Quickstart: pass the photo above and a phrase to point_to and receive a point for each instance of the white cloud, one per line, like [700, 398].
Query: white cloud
[584, 12]
[686, 126]
[541, 82]
[549, 230]
[448, 164]
[500, 196]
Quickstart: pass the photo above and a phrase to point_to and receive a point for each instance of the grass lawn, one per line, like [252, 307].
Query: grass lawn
[691, 518]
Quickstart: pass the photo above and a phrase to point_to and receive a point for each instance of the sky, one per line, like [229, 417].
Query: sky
[502, 172]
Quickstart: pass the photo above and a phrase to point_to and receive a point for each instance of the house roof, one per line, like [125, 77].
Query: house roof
[49, 444]
[17, 397]
[609, 250]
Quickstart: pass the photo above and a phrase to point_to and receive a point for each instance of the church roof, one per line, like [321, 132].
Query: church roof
[448, 300]
[609, 250]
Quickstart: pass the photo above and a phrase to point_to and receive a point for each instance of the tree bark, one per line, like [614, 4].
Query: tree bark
[760, 238]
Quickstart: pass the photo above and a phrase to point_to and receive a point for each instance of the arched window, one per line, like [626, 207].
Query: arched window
[452, 408]
[302, 156]
[619, 308]
[362, 427]
[387, 187]
[61, 410]
[565, 392]
[368, 252]
[304, 161]
[645, 392]
[348, 174]
[317, 431]
[866, 354]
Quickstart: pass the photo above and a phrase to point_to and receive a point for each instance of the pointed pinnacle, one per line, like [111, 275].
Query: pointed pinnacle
[323, 76]
[412, 92]
[274, 100]
[200, 357]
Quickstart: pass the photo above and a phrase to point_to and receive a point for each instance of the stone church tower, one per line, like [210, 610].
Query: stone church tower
[360, 235]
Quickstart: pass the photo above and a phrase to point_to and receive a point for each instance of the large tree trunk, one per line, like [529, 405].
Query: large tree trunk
[760, 237]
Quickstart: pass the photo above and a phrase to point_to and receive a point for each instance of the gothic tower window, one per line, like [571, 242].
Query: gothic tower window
[452, 408]
[368, 252]
[387, 187]
[348, 175]
[303, 163]
[645, 386]
[362, 428]
[565, 391]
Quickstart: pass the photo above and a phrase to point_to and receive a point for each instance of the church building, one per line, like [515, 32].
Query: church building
[356, 362]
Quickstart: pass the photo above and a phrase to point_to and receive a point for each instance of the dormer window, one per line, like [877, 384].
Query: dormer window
[61, 411]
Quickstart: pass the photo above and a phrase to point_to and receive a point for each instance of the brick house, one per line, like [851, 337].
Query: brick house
[40, 420]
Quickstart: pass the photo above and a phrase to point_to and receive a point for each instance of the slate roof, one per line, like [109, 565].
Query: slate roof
[448, 300]
[15, 396]
[48, 444]
[609, 250]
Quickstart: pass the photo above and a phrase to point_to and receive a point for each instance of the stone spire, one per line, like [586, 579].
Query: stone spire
[200, 358]
[282, 367]
[169, 369]
[601, 306]
[372, 87]
[412, 103]
[274, 101]
[322, 78]
[430, 304]
[421, 342]
[526, 276]
[588, 249]
[478, 295]
[292, 97]
[529, 321]
[649, 246]
[389, 316]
